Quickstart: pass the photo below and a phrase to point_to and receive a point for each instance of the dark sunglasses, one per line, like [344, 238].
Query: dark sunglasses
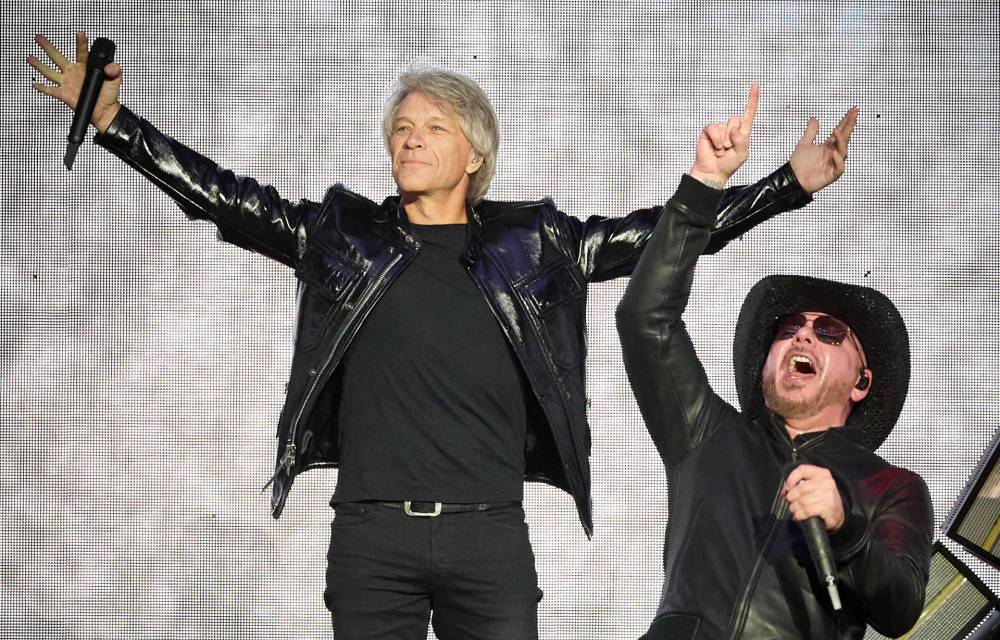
[826, 328]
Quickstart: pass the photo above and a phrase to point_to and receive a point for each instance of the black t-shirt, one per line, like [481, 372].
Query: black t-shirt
[433, 401]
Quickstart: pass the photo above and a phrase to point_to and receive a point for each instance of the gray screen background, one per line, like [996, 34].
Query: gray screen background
[143, 362]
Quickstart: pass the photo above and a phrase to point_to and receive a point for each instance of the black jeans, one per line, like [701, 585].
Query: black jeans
[387, 571]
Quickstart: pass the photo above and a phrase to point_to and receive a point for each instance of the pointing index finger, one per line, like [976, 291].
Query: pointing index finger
[751, 109]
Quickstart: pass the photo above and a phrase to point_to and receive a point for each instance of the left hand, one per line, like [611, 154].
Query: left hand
[818, 165]
[812, 491]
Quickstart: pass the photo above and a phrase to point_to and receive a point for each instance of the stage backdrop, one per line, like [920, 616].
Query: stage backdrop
[143, 361]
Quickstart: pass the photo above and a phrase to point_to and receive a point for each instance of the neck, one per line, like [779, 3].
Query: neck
[425, 208]
[819, 422]
[797, 431]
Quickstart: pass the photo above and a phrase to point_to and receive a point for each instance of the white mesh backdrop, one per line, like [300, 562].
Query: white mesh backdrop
[143, 362]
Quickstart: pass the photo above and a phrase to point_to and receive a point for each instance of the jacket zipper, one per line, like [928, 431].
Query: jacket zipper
[520, 357]
[549, 363]
[779, 507]
[289, 455]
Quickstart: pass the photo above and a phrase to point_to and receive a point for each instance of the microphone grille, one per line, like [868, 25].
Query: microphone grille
[102, 52]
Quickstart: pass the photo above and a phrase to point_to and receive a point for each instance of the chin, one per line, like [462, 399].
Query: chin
[796, 401]
[794, 409]
[410, 186]
[791, 401]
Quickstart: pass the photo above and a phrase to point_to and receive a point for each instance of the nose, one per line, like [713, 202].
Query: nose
[414, 140]
[805, 332]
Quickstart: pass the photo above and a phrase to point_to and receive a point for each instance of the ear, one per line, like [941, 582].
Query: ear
[861, 389]
[474, 165]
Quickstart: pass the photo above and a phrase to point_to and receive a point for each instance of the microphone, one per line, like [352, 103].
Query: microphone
[822, 556]
[101, 54]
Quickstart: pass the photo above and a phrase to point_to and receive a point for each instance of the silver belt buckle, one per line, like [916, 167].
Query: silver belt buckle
[410, 512]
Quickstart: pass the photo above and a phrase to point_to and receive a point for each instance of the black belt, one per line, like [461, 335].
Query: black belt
[432, 509]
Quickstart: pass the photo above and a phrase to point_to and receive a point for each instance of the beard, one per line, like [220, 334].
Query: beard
[799, 408]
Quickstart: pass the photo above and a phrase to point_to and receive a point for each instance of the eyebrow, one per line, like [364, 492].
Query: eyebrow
[431, 119]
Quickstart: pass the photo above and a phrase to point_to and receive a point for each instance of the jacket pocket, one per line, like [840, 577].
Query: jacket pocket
[551, 287]
[556, 295]
[326, 282]
[328, 270]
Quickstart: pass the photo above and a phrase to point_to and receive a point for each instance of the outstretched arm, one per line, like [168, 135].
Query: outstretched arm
[248, 214]
[606, 247]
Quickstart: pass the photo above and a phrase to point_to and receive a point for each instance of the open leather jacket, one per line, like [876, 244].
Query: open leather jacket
[735, 564]
[531, 262]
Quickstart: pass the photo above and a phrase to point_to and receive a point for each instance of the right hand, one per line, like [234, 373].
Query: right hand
[723, 148]
[68, 80]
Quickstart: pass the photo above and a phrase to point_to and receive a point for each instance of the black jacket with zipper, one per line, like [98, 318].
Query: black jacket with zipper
[531, 262]
[735, 564]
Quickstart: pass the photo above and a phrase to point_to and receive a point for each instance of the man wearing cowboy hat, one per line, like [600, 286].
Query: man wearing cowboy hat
[822, 370]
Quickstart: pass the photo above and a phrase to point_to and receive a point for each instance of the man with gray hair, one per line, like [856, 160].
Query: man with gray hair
[440, 348]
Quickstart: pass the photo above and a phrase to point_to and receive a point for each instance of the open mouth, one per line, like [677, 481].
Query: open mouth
[801, 365]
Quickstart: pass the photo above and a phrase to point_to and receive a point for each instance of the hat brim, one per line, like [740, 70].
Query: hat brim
[872, 317]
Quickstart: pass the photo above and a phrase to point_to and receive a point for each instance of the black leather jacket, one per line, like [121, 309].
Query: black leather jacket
[531, 262]
[735, 565]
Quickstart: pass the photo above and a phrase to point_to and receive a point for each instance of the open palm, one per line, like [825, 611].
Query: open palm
[68, 78]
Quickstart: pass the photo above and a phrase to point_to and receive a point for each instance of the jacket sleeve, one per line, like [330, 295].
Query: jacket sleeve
[668, 380]
[606, 248]
[885, 563]
[246, 213]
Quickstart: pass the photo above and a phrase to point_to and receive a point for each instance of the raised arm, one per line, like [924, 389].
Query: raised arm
[248, 214]
[667, 378]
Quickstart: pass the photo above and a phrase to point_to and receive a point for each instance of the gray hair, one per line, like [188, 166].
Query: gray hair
[460, 94]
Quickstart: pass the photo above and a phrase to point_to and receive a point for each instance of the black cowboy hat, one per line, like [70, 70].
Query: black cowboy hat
[872, 317]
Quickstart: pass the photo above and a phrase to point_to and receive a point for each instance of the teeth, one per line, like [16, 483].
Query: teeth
[797, 360]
